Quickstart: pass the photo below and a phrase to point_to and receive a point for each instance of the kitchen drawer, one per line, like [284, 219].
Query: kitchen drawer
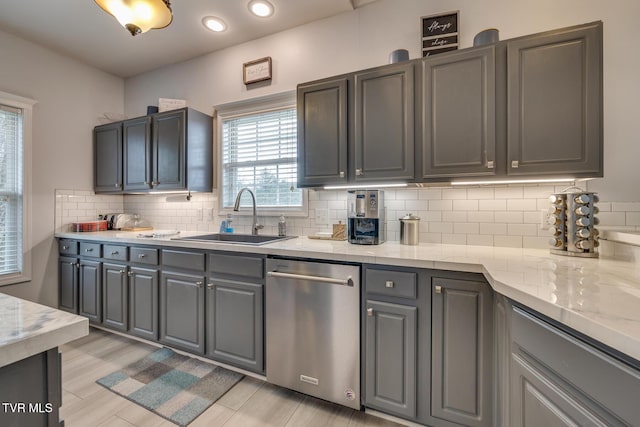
[237, 265]
[90, 249]
[183, 259]
[613, 384]
[390, 282]
[114, 252]
[68, 247]
[147, 256]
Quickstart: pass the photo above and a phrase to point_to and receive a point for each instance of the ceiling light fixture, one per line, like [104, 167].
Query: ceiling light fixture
[261, 8]
[214, 23]
[139, 16]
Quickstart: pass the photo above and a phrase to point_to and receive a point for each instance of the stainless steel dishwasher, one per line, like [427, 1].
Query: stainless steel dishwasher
[313, 329]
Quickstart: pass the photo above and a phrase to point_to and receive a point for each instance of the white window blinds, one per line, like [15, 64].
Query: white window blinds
[11, 164]
[259, 151]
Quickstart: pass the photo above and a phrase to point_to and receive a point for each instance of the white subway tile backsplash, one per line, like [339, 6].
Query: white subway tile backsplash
[465, 205]
[504, 215]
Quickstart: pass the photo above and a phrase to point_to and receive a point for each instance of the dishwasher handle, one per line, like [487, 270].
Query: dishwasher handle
[344, 282]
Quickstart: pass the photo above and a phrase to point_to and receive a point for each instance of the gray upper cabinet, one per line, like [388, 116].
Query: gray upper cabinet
[107, 152]
[384, 121]
[172, 150]
[461, 348]
[459, 114]
[323, 130]
[137, 153]
[554, 103]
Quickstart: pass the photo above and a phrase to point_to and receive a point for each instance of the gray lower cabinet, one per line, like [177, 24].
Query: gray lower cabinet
[557, 379]
[35, 382]
[143, 302]
[235, 310]
[107, 145]
[115, 296]
[182, 301]
[235, 323]
[68, 284]
[90, 290]
[384, 120]
[554, 86]
[323, 132]
[391, 351]
[459, 114]
[461, 352]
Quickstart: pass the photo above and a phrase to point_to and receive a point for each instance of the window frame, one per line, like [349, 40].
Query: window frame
[244, 108]
[26, 105]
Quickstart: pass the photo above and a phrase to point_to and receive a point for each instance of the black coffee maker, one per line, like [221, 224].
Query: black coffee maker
[366, 217]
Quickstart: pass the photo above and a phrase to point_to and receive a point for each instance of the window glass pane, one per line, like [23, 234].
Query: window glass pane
[10, 190]
[259, 151]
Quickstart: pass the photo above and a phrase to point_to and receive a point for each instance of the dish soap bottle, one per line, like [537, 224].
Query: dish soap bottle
[282, 226]
[229, 228]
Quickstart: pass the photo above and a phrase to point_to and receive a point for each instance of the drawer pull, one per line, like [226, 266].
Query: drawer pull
[114, 252]
[130, 273]
[140, 256]
[88, 250]
[389, 284]
[64, 248]
[438, 289]
[370, 312]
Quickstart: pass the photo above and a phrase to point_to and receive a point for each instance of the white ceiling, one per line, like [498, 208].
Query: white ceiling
[80, 29]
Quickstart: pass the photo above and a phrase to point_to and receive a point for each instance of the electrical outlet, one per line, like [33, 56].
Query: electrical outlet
[322, 217]
[544, 219]
[209, 214]
[199, 214]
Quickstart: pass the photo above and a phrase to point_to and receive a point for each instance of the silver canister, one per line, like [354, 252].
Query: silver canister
[409, 230]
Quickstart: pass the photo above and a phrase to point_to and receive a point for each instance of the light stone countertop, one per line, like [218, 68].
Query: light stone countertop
[599, 297]
[27, 328]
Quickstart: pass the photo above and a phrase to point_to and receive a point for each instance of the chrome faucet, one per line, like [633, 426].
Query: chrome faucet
[236, 207]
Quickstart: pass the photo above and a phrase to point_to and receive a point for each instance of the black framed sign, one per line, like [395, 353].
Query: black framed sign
[440, 33]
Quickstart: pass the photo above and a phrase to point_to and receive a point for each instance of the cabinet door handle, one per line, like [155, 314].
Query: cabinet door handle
[359, 172]
[490, 164]
[117, 185]
[389, 284]
[370, 312]
[438, 289]
[155, 183]
[515, 164]
[77, 265]
[199, 284]
[341, 174]
[123, 271]
[210, 285]
[130, 273]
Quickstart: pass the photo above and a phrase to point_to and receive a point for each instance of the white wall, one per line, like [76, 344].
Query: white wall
[71, 96]
[364, 38]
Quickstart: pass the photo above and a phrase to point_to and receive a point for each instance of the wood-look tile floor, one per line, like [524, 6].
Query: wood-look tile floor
[251, 402]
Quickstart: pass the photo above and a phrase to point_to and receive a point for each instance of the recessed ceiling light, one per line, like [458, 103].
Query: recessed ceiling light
[261, 8]
[214, 23]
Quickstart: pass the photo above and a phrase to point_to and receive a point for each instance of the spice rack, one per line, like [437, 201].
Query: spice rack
[572, 219]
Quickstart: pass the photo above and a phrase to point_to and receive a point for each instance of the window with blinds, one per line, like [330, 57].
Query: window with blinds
[11, 164]
[259, 152]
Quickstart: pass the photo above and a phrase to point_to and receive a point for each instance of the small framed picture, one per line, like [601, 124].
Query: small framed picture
[440, 33]
[256, 71]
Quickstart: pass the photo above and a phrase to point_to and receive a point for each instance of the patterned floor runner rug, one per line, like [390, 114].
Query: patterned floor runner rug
[174, 386]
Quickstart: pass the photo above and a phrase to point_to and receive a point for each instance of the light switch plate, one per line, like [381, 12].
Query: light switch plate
[322, 217]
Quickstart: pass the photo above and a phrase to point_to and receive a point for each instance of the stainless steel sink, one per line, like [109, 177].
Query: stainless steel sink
[247, 239]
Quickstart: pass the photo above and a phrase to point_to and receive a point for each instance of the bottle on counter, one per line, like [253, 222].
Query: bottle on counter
[282, 226]
[229, 228]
